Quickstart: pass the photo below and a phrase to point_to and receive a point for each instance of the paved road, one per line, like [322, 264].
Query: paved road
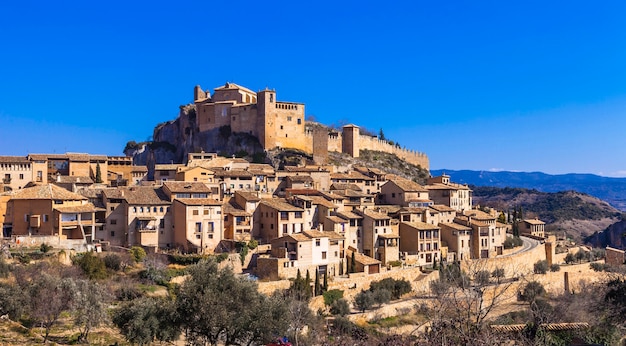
[527, 244]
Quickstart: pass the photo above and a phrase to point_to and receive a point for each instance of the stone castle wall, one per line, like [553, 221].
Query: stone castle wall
[335, 143]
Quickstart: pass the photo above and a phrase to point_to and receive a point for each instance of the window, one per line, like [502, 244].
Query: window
[284, 215]
[112, 233]
[299, 121]
[195, 212]
[198, 227]
[113, 222]
[210, 227]
[162, 223]
[206, 211]
[21, 176]
[210, 236]
[161, 209]
[112, 208]
[298, 215]
[317, 242]
[284, 228]
[197, 236]
[323, 254]
[288, 118]
[45, 218]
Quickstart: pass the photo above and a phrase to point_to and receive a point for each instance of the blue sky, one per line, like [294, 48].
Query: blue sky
[484, 85]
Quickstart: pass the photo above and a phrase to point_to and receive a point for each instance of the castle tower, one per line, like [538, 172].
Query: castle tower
[199, 94]
[320, 146]
[350, 140]
[266, 119]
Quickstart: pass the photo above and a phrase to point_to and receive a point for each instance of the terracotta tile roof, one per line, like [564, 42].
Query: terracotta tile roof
[386, 208]
[420, 225]
[456, 226]
[166, 167]
[336, 219]
[534, 221]
[298, 237]
[113, 193]
[198, 201]
[413, 210]
[186, 186]
[334, 235]
[228, 208]
[352, 175]
[319, 200]
[239, 173]
[85, 208]
[139, 169]
[441, 207]
[478, 214]
[478, 223]
[72, 179]
[365, 260]
[440, 186]
[375, 215]
[47, 191]
[144, 195]
[331, 195]
[389, 236]
[407, 185]
[279, 204]
[249, 196]
[300, 178]
[233, 86]
[14, 159]
[305, 169]
[348, 215]
[312, 233]
[344, 186]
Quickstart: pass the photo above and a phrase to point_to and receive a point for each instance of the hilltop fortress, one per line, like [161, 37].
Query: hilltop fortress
[282, 124]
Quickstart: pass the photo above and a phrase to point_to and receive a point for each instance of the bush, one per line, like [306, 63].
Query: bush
[45, 248]
[253, 244]
[5, 268]
[381, 297]
[482, 277]
[364, 300]
[599, 267]
[332, 296]
[569, 258]
[113, 262]
[128, 292]
[555, 267]
[498, 274]
[540, 267]
[185, 259]
[511, 242]
[395, 263]
[340, 307]
[137, 253]
[221, 257]
[158, 276]
[396, 287]
[92, 265]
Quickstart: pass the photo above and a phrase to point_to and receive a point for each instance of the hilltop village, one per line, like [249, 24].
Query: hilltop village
[312, 217]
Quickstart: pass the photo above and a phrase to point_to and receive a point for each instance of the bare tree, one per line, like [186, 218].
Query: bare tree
[464, 299]
[50, 296]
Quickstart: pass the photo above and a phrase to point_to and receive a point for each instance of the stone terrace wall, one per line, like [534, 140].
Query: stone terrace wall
[516, 264]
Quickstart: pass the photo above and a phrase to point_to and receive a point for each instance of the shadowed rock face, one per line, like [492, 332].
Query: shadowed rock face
[173, 140]
[613, 236]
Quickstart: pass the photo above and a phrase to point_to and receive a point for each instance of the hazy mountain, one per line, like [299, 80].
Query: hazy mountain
[612, 190]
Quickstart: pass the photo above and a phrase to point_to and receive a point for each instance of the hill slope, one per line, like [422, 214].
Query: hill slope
[612, 190]
[576, 214]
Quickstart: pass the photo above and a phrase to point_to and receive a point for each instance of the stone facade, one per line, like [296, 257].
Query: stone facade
[282, 124]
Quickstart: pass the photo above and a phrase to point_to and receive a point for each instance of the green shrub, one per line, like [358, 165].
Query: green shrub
[340, 307]
[512, 242]
[540, 267]
[555, 267]
[113, 262]
[92, 265]
[331, 296]
[395, 263]
[185, 259]
[253, 244]
[364, 300]
[598, 267]
[396, 287]
[45, 248]
[221, 257]
[137, 253]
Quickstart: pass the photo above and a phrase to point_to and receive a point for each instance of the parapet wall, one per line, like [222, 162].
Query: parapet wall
[335, 142]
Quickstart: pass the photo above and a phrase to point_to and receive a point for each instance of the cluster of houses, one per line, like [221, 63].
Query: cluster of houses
[308, 218]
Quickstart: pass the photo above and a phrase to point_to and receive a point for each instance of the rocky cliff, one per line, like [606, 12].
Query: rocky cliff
[173, 140]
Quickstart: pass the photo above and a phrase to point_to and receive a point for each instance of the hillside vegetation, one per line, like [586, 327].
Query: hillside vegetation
[577, 214]
[387, 162]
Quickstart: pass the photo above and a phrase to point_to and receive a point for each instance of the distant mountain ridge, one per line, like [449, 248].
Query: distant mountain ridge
[611, 190]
